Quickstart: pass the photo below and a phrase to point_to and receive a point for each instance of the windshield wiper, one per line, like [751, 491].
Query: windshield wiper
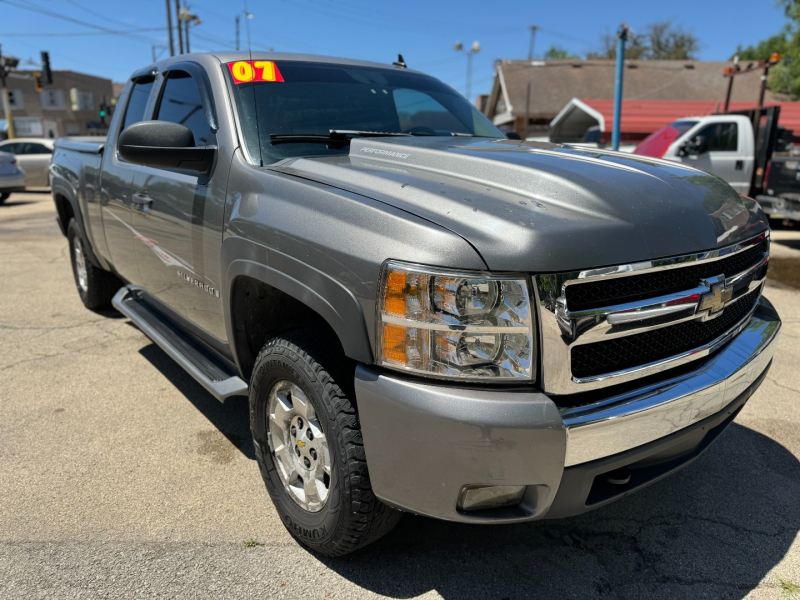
[335, 136]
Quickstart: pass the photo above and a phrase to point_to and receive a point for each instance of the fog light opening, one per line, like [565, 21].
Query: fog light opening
[481, 497]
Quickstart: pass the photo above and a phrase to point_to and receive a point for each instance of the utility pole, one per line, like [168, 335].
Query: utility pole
[180, 33]
[237, 32]
[187, 18]
[6, 64]
[169, 30]
[532, 44]
[186, 34]
[622, 37]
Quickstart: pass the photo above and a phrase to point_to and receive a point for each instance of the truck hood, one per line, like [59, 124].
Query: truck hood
[538, 207]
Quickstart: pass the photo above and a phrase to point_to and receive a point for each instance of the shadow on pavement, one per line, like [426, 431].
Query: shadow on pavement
[11, 202]
[231, 418]
[713, 530]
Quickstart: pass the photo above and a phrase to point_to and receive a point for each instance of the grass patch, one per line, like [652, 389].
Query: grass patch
[789, 587]
[251, 543]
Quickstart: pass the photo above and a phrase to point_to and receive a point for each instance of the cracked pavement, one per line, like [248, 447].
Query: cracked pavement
[121, 477]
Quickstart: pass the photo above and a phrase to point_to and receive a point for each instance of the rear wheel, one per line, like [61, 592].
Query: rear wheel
[309, 447]
[95, 286]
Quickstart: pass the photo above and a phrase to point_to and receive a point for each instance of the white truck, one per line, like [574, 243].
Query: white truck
[720, 144]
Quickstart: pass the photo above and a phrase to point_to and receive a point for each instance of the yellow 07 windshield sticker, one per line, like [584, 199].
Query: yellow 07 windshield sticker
[246, 71]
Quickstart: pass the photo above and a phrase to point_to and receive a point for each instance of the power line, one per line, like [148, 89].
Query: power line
[79, 33]
[43, 11]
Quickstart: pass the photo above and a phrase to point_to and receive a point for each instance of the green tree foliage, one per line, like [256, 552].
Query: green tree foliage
[784, 78]
[658, 41]
[558, 53]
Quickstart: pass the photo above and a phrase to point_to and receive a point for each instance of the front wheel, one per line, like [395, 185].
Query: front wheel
[308, 445]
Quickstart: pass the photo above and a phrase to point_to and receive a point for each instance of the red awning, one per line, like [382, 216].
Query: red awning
[647, 116]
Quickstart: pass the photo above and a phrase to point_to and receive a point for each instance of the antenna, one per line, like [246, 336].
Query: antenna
[400, 62]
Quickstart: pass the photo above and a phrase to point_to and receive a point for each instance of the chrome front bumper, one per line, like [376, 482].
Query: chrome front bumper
[426, 440]
[629, 420]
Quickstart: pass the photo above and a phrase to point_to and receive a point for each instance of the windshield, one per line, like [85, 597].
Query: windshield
[656, 144]
[305, 98]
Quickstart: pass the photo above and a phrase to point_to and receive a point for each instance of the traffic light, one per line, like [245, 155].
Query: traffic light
[48, 74]
[102, 115]
[37, 80]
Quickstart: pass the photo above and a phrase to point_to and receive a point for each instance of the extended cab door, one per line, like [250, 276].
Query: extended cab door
[117, 179]
[169, 207]
[722, 145]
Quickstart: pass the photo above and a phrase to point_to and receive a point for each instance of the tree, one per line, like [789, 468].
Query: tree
[558, 53]
[659, 41]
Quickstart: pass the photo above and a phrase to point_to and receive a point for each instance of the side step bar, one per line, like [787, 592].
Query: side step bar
[212, 376]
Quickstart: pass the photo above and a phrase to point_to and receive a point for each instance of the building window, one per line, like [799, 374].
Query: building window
[15, 98]
[52, 99]
[81, 100]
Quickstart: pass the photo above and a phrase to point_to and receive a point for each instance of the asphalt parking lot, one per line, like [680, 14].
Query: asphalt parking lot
[121, 477]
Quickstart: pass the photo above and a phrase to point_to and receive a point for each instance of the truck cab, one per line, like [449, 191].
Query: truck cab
[723, 145]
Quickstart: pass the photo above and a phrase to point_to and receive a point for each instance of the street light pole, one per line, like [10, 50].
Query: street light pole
[622, 37]
[474, 49]
[532, 45]
[180, 33]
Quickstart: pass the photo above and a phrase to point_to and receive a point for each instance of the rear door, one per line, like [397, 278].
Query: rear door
[35, 160]
[168, 211]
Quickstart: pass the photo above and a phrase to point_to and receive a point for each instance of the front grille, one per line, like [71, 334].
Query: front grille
[651, 346]
[597, 294]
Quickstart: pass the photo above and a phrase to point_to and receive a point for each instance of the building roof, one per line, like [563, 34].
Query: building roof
[647, 116]
[553, 83]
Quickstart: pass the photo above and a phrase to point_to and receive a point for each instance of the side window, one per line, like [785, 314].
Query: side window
[721, 137]
[418, 110]
[137, 102]
[38, 149]
[12, 148]
[181, 103]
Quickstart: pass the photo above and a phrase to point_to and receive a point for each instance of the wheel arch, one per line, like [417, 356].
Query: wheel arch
[289, 295]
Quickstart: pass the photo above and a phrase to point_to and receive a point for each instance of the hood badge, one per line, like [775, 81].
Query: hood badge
[714, 300]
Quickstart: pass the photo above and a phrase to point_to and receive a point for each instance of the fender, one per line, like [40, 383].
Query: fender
[320, 292]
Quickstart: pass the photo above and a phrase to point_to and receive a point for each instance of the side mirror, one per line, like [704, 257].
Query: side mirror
[513, 135]
[694, 147]
[164, 145]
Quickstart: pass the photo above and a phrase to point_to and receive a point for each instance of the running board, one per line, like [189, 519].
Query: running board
[208, 373]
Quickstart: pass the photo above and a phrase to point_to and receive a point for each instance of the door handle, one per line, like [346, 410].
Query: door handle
[142, 200]
[739, 165]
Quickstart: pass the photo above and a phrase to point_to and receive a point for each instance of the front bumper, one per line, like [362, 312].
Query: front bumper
[779, 207]
[425, 440]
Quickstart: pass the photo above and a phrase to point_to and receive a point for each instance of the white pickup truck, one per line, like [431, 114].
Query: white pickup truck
[720, 144]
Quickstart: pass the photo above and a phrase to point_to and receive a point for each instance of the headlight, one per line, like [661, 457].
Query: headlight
[451, 324]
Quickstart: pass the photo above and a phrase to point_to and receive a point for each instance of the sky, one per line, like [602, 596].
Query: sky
[76, 32]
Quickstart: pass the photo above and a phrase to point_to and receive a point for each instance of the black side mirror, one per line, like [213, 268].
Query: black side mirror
[694, 147]
[164, 145]
[513, 135]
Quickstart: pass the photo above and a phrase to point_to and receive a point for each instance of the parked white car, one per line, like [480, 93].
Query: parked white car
[34, 156]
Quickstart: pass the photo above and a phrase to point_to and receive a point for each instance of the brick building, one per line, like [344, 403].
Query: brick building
[70, 106]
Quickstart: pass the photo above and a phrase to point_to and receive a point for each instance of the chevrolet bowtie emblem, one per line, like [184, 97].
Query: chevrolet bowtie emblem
[301, 444]
[713, 301]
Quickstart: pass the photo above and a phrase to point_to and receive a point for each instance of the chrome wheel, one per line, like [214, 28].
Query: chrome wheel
[80, 264]
[298, 446]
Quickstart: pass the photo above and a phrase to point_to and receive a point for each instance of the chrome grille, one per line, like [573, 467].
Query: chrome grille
[606, 326]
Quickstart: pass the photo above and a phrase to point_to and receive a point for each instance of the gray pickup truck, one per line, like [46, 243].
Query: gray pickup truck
[427, 317]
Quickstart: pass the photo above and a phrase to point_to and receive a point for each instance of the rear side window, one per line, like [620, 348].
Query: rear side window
[137, 102]
[37, 149]
[721, 137]
[181, 103]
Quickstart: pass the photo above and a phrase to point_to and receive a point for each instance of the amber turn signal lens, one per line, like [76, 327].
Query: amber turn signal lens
[396, 293]
[394, 343]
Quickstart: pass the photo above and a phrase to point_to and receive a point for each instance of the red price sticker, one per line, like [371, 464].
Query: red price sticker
[245, 71]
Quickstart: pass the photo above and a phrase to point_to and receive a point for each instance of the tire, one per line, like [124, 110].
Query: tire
[96, 287]
[350, 516]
